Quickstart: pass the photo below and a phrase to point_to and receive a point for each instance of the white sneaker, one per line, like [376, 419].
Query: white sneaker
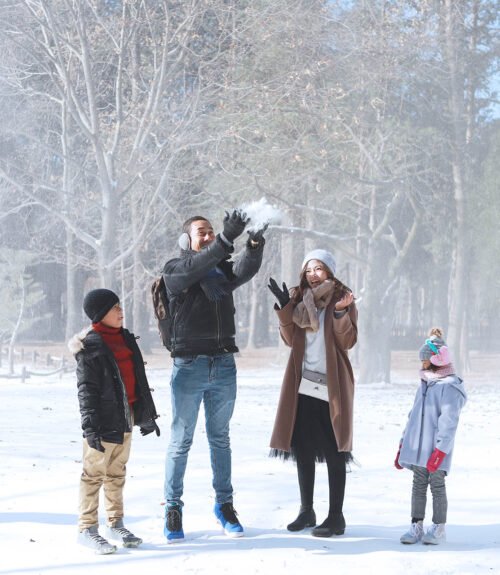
[414, 533]
[120, 533]
[435, 535]
[90, 538]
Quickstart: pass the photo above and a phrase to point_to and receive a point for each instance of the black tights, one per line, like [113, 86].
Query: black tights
[336, 482]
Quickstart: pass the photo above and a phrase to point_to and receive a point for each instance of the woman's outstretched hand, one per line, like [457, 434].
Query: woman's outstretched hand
[345, 302]
[281, 295]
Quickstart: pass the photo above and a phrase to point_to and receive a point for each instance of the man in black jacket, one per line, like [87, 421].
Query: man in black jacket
[199, 286]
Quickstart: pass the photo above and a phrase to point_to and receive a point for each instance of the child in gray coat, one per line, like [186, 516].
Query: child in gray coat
[427, 442]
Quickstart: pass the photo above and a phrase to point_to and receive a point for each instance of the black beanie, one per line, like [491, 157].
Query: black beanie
[98, 302]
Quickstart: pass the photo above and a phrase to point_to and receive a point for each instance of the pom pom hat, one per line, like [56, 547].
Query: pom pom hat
[435, 349]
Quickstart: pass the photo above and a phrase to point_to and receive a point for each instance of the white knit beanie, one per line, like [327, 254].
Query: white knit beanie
[323, 256]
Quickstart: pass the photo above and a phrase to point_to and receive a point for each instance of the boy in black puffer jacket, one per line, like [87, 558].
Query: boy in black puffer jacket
[114, 395]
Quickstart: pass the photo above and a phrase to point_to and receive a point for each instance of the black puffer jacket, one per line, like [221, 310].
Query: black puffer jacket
[201, 326]
[103, 401]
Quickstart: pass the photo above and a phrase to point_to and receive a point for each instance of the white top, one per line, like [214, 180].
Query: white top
[315, 353]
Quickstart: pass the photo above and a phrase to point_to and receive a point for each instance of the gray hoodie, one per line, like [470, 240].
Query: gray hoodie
[432, 421]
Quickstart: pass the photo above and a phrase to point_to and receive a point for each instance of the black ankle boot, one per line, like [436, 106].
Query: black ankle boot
[333, 525]
[305, 518]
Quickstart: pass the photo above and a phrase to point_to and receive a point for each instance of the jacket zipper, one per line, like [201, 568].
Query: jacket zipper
[140, 385]
[422, 423]
[218, 324]
[126, 407]
[177, 313]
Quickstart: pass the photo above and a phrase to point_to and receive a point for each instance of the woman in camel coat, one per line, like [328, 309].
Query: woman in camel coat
[318, 321]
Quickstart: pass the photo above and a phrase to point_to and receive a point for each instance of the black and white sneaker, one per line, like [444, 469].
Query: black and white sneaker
[173, 524]
[118, 532]
[226, 515]
[90, 538]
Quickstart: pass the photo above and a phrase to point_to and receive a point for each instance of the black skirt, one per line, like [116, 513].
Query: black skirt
[313, 437]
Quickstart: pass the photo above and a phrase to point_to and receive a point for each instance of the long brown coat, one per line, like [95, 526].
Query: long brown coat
[340, 336]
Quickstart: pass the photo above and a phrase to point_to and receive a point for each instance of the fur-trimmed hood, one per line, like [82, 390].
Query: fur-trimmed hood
[75, 344]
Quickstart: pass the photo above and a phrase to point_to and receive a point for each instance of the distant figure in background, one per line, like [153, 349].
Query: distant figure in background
[200, 284]
[314, 420]
[427, 442]
[114, 395]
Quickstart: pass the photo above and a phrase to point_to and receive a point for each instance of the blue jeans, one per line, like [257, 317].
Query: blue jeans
[211, 379]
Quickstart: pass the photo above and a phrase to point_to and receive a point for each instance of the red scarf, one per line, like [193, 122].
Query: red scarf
[113, 338]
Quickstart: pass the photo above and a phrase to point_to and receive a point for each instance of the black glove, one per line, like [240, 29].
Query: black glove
[149, 428]
[94, 441]
[234, 225]
[282, 296]
[257, 236]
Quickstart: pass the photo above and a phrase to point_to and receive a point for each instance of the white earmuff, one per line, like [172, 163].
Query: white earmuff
[184, 241]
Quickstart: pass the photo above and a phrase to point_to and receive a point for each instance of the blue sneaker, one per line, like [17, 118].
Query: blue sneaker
[226, 516]
[173, 524]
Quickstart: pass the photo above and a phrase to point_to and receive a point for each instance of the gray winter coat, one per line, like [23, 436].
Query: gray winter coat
[433, 421]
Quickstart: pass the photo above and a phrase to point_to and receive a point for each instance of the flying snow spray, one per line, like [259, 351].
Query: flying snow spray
[261, 213]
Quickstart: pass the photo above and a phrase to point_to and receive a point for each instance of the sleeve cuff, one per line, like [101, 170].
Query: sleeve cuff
[225, 240]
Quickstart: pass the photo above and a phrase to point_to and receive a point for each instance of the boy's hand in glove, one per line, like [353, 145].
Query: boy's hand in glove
[149, 427]
[94, 441]
[282, 296]
[234, 225]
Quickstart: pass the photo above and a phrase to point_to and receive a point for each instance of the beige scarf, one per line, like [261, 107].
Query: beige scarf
[305, 314]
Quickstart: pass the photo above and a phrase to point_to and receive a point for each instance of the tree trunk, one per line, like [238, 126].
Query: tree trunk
[253, 314]
[375, 322]
[453, 25]
[292, 250]
[72, 302]
[72, 311]
[15, 331]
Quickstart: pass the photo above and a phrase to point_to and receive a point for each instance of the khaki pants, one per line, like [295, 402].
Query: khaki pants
[103, 469]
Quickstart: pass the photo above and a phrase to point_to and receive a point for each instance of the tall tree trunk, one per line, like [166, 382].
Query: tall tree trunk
[15, 330]
[454, 25]
[72, 301]
[376, 321]
[253, 314]
[292, 250]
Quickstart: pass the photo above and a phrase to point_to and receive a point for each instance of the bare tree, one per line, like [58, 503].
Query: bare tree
[467, 32]
[129, 89]
[361, 121]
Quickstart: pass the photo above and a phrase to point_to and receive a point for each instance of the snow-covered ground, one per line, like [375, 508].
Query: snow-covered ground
[40, 447]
